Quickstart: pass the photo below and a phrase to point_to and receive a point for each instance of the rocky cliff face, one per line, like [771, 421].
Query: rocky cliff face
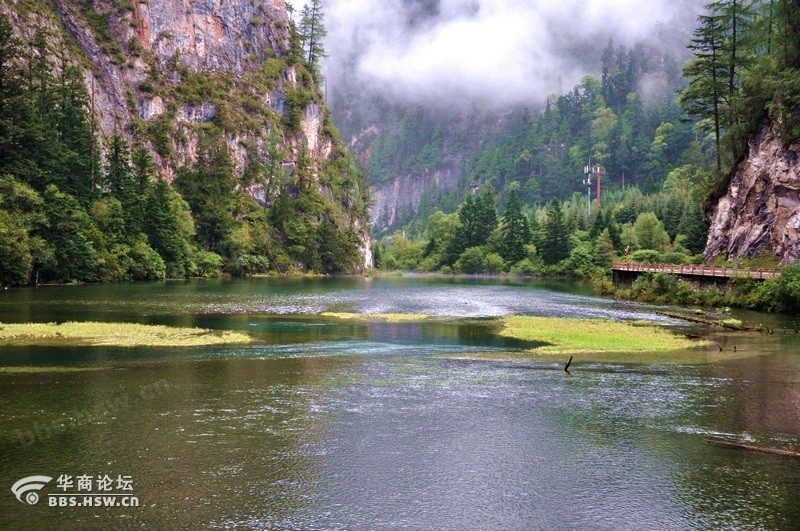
[400, 198]
[158, 71]
[151, 49]
[760, 213]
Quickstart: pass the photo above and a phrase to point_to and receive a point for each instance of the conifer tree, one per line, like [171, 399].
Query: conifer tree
[694, 227]
[487, 216]
[169, 227]
[515, 230]
[707, 78]
[312, 31]
[554, 245]
[208, 187]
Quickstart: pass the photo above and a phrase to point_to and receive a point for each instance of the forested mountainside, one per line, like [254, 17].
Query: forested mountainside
[627, 121]
[666, 137]
[140, 140]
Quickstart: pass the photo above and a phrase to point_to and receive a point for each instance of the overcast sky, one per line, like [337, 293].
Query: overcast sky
[502, 50]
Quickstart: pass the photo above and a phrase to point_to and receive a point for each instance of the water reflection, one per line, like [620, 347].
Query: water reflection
[327, 424]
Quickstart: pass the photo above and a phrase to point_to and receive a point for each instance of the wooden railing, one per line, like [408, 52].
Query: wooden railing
[696, 270]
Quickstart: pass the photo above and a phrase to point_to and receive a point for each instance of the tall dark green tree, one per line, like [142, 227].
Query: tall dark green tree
[477, 216]
[694, 227]
[120, 183]
[338, 247]
[73, 237]
[554, 244]
[78, 152]
[170, 228]
[487, 216]
[312, 32]
[514, 229]
[707, 74]
[208, 187]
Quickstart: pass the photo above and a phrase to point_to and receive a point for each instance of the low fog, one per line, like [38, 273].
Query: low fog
[494, 51]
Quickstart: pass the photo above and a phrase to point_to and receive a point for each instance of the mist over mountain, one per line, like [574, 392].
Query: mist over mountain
[493, 52]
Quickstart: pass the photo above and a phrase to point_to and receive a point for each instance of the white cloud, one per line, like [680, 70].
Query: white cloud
[507, 50]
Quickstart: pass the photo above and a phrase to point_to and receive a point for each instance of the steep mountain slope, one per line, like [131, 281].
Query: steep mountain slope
[627, 120]
[163, 73]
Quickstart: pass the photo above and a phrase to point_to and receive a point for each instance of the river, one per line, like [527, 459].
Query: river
[327, 424]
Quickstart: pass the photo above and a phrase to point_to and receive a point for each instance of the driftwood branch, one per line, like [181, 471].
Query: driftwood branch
[790, 452]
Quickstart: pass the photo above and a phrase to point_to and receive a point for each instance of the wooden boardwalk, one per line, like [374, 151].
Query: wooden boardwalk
[707, 271]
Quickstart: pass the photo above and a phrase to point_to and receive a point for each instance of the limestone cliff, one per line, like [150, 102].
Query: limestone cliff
[760, 213]
[400, 198]
[159, 71]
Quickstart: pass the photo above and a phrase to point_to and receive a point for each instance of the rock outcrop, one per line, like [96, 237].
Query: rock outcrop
[400, 198]
[760, 213]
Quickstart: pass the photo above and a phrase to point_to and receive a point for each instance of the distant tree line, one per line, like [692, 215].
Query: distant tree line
[556, 239]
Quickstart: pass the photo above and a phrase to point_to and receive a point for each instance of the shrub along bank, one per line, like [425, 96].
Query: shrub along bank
[780, 295]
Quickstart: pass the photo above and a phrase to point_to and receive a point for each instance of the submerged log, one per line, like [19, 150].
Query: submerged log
[710, 322]
[790, 452]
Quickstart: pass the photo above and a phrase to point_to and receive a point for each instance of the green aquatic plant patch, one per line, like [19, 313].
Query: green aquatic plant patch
[113, 334]
[573, 336]
[382, 317]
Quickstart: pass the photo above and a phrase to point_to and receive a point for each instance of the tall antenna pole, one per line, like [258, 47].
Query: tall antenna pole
[599, 171]
[587, 170]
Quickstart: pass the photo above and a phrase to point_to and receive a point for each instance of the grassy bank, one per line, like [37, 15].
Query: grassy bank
[113, 334]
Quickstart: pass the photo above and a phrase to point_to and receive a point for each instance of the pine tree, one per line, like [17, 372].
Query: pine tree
[312, 31]
[554, 245]
[72, 236]
[169, 228]
[208, 187]
[515, 230]
[694, 227]
[604, 251]
[707, 78]
[477, 216]
[487, 216]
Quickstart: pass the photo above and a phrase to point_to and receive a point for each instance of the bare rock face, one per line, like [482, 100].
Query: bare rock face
[209, 34]
[400, 198]
[761, 211]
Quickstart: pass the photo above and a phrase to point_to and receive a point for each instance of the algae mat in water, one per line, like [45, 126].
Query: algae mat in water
[379, 317]
[113, 334]
[573, 336]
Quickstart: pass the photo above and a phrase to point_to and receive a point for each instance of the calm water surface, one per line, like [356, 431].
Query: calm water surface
[322, 424]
